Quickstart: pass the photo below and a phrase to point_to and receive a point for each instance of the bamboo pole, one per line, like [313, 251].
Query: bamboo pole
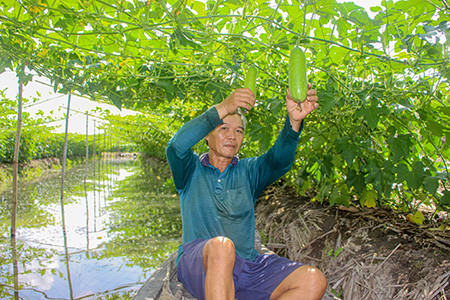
[63, 169]
[110, 164]
[15, 192]
[15, 267]
[85, 177]
[16, 163]
[63, 219]
[99, 176]
[87, 151]
[104, 160]
[93, 180]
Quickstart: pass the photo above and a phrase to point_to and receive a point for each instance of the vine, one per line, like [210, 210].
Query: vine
[381, 134]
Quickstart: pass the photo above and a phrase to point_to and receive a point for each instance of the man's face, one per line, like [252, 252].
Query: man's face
[226, 140]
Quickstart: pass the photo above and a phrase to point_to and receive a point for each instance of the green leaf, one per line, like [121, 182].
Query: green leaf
[370, 114]
[415, 179]
[444, 111]
[274, 105]
[369, 198]
[416, 218]
[403, 172]
[116, 100]
[327, 101]
[373, 174]
[445, 199]
[327, 166]
[360, 17]
[431, 184]
[347, 150]
[401, 146]
[436, 128]
[167, 84]
[356, 180]
[218, 96]
[340, 196]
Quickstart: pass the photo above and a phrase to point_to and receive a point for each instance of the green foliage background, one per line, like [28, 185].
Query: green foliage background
[381, 134]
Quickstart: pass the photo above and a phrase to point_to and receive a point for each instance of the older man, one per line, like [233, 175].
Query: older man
[217, 259]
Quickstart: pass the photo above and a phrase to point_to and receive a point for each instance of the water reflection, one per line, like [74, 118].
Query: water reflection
[15, 266]
[120, 225]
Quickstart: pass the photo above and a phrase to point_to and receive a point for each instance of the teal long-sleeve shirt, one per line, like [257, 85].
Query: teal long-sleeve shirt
[222, 204]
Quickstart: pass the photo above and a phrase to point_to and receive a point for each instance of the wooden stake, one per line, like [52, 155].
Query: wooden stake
[16, 164]
[15, 193]
[63, 219]
[85, 177]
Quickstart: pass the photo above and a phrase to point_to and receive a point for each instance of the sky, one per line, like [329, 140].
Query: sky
[54, 104]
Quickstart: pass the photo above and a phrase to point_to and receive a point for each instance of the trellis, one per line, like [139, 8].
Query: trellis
[118, 49]
[388, 73]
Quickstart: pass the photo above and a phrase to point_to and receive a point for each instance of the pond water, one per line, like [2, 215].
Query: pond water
[122, 219]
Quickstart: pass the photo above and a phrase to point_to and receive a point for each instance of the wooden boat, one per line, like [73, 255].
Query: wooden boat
[164, 283]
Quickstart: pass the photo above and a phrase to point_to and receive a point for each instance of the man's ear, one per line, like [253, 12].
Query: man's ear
[207, 140]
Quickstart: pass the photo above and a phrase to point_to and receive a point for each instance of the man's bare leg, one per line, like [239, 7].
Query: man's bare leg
[218, 259]
[304, 283]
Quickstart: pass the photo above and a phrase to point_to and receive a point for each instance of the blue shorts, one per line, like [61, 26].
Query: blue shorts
[253, 280]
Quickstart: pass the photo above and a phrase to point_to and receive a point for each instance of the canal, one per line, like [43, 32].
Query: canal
[122, 219]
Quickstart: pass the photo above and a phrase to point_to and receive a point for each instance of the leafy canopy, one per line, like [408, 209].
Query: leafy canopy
[382, 130]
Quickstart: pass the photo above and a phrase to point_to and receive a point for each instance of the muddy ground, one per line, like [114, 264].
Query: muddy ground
[365, 254]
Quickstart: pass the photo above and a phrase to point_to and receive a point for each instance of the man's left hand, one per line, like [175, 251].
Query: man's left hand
[299, 110]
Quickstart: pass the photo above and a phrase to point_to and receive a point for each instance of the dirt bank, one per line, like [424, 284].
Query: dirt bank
[370, 254]
[29, 170]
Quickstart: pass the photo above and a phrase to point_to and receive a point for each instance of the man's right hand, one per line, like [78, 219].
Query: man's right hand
[239, 98]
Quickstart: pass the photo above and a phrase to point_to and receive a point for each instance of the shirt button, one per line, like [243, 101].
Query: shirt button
[219, 180]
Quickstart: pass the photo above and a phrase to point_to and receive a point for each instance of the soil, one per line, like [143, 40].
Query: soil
[365, 254]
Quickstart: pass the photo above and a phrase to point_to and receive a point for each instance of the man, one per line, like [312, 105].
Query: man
[217, 259]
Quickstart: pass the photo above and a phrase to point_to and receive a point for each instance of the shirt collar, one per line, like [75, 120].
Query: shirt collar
[204, 159]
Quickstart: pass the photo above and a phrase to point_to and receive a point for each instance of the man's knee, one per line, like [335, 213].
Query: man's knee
[317, 279]
[219, 250]
[306, 280]
[313, 280]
